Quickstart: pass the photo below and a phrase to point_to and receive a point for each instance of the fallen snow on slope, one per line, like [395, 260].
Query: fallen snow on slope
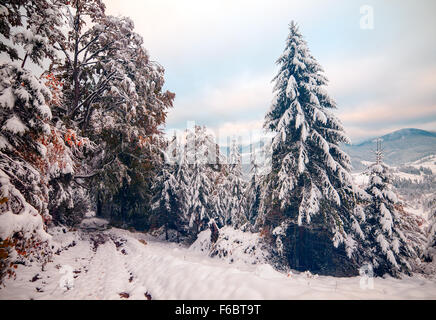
[234, 246]
[117, 264]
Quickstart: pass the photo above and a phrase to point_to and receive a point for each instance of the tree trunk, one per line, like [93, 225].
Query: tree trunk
[76, 84]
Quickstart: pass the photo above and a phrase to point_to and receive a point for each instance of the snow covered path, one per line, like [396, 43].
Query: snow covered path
[103, 265]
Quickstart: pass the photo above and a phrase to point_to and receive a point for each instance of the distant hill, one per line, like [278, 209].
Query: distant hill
[402, 146]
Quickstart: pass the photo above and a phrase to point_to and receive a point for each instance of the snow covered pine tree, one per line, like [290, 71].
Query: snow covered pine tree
[252, 192]
[201, 177]
[431, 241]
[309, 198]
[234, 188]
[25, 167]
[385, 244]
[167, 202]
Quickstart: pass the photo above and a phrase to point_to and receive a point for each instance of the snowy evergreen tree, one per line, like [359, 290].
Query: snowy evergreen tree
[252, 195]
[24, 117]
[200, 175]
[260, 168]
[166, 207]
[168, 196]
[310, 187]
[386, 245]
[431, 243]
[43, 30]
[35, 25]
[234, 188]
[201, 155]
[26, 162]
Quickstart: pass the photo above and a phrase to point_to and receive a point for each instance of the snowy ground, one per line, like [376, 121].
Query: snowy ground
[117, 264]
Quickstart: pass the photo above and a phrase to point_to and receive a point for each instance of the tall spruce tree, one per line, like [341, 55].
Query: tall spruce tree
[168, 196]
[252, 194]
[234, 187]
[431, 243]
[386, 245]
[310, 189]
[200, 175]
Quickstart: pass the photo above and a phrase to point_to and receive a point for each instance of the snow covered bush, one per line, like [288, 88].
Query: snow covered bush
[233, 245]
[22, 230]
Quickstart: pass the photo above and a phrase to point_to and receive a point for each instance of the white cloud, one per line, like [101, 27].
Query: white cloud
[245, 131]
[386, 112]
[375, 92]
[378, 94]
[175, 29]
[243, 97]
[352, 75]
[360, 133]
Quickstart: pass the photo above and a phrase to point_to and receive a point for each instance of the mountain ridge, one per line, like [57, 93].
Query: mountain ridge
[400, 146]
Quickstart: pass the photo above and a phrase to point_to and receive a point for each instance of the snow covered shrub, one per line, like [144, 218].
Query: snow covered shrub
[22, 230]
[233, 189]
[233, 246]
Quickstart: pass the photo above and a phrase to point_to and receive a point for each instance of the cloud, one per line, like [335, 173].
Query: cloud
[246, 131]
[244, 97]
[175, 29]
[219, 57]
[377, 94]
[385, 113]
[360, 134]
[238, 105]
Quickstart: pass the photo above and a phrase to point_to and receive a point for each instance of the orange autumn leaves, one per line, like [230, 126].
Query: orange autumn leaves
[55, 86]
[72, 140]
[25, 248]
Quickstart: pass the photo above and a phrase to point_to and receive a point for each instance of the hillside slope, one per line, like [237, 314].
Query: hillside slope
[402, 146]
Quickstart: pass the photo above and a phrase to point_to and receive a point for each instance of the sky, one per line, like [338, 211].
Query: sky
[219, 58]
